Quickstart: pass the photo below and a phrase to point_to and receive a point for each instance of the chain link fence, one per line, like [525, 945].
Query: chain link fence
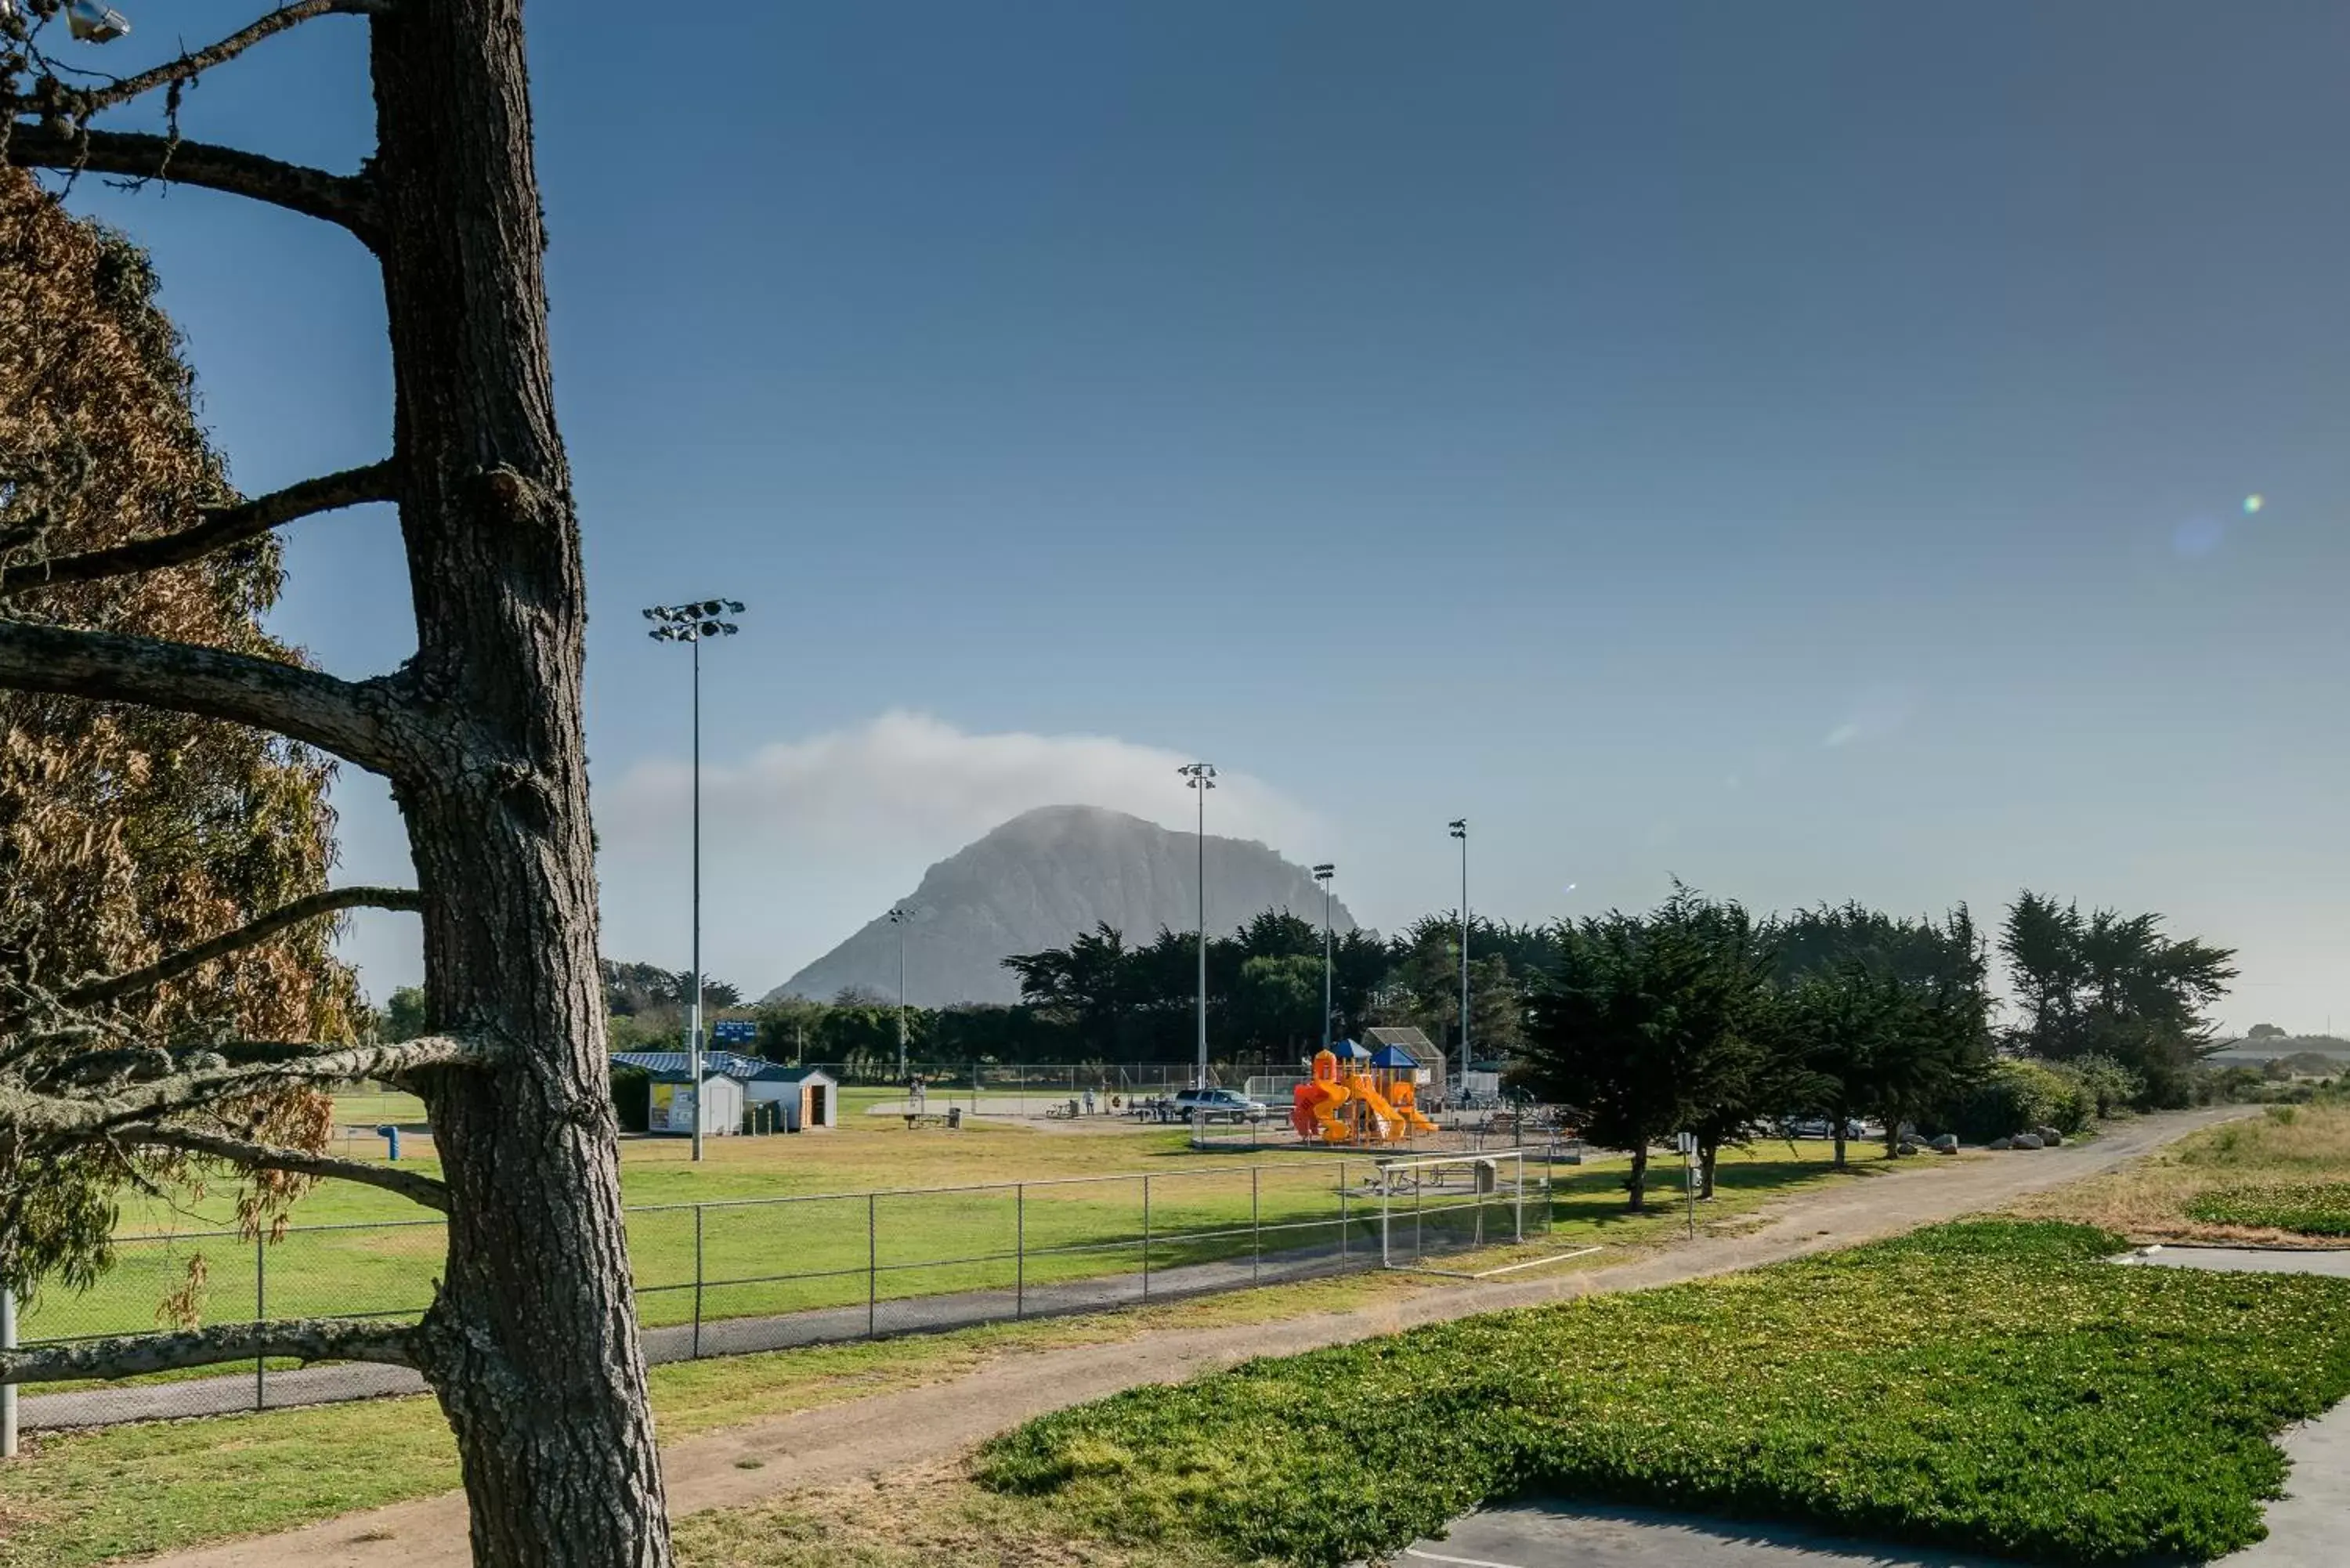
[1033, 1089]
[733, 1277]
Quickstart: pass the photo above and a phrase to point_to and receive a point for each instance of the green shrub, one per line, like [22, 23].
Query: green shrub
[2311, 1208]
[2018, 1095]
[1990, 1386]
[2112, 1087]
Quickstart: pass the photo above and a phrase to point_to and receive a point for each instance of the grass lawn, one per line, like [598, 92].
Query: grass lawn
[1989, 1385]
[90, 1497]
[2282, 1179]
[924, 1242]
[915, 1522]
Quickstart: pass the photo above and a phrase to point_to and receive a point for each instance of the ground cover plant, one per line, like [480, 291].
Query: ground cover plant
[2239, 1181]
[2308, 1208]
[1990, 1385]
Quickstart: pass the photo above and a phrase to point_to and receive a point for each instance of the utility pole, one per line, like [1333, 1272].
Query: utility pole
[1322, 874]
[1202, 777]
[1461, 832]
[898, 915]
[696, 624]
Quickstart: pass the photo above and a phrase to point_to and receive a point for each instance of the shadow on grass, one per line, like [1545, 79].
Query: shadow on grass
[1595, 1202]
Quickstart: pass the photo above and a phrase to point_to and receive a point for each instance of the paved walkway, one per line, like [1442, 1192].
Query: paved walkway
[2305, 1526]
[893, 1433]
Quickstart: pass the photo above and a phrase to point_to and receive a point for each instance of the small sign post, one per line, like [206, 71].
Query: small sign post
[1686, 1144]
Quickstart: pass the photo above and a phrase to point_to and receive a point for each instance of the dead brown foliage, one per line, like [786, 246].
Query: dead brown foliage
[127, 833]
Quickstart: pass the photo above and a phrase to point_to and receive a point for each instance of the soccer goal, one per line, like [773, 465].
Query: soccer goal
[1434, 1206]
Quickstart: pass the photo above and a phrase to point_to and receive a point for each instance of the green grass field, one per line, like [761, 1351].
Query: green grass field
[355, 1249]
[1991, 1385]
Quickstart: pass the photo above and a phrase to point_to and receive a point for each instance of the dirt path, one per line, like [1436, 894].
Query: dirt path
[896, 1432]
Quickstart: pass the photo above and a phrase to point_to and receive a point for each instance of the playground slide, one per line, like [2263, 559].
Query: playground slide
[1388, 1121]
[1406, 1103]
[1312, 1111]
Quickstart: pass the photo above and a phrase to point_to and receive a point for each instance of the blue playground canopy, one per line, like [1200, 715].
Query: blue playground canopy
[1393, 1056]
[1347, 1050]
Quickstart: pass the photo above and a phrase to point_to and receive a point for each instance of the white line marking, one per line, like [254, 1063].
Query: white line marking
[1460, 1561]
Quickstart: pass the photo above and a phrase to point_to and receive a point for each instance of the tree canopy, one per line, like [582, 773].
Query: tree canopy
[2107, 984]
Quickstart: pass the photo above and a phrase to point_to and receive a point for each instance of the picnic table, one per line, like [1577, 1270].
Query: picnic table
[950, 1118]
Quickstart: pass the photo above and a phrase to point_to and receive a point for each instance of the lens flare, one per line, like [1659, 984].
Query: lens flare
[2253, 503]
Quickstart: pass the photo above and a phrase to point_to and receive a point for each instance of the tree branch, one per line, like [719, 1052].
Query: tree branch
[334, 900]
[342, 199]
[354, 721]
[188, 65]
[412, 1185]
[70, 1118]
[133, 1355]
[220, 527]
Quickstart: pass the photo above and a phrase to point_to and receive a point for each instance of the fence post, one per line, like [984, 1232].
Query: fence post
[260, 1319]
[697, 1281]
[1344, 1224]
[1019, 1249]
[1256, 1226]
[7, 1390]
[1146, 1238]
[872, 1261]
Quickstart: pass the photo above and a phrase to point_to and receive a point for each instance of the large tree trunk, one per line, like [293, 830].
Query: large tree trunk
[532, 1346]
[1638, 1182]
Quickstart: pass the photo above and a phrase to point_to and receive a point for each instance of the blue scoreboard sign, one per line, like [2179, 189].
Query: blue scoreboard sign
[734, 1031]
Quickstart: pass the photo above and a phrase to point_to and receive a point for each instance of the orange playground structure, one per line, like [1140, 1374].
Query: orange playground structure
[1358, 1096]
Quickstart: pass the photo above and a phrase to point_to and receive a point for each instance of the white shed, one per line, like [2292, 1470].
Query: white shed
[674, 1103]
[810, 1097]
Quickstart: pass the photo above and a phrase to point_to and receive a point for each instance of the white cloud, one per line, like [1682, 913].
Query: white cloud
[1880, 710]
[806, 840]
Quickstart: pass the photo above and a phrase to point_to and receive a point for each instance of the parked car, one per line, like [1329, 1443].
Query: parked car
[1822, 1126]
[1218, 1105]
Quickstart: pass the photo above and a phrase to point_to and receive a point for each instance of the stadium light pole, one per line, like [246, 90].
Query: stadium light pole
[1461, 832]
[1322, 874]
[1202, 777]
[696, 624]
[898, 915]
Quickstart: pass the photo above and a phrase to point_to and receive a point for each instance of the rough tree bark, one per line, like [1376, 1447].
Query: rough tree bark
[531, 1343]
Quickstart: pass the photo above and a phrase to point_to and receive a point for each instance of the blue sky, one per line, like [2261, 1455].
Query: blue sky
[1800, 449]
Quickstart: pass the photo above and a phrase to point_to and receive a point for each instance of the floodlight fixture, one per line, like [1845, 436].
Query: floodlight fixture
[95, 24]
